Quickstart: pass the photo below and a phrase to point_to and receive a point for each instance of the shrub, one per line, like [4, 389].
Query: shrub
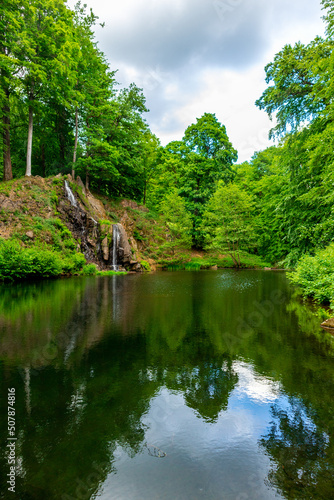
[315, 275]
[89, 270]
[73, 263]
[138, 236]
[145, 265]
[17, 262]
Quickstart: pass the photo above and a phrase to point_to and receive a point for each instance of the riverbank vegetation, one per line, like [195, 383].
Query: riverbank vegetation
[63, 112]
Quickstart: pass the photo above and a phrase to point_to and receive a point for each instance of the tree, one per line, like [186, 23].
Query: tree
[89, 52]
[11, 39]
[165, 175]
[293, 180]
[150, 147]
[208, 139]
[49, 62]
[178, 222]
[97, 90]
[128, 132]
[298, 94]
[209, 159]
[193, 167]
[227, 221]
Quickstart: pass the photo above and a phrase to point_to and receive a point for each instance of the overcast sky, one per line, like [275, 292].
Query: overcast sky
[197, 56]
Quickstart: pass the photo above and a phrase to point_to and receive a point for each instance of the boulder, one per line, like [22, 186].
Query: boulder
[329, 323]
[97, 208]
[134, 247]
[81, 184]
[30, 234]
[124, 255]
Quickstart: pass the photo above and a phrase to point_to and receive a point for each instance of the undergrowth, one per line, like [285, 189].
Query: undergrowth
[315, 275]
[19, 263]
[184, 262]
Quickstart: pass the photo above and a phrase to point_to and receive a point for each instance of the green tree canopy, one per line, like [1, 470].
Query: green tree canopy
[298, 78]
[227, 221]
[193, 167]
[178, 222]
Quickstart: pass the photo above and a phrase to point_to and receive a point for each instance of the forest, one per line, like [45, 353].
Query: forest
[64, 113]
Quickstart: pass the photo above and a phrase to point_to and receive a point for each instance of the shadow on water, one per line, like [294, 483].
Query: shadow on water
[207, 371]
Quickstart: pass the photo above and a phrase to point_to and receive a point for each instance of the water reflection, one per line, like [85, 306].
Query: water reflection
[173, 385]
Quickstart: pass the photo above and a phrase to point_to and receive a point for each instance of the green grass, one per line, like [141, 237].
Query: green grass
[110, 273]
[248, 261]
[5, 187]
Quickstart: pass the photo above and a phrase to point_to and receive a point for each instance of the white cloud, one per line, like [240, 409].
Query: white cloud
[254, 386]
[196, 56]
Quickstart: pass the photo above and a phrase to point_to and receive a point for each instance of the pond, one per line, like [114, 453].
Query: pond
[181, 385]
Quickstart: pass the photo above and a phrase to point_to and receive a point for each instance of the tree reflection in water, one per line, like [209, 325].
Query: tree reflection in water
[88, 357]
[302, 453]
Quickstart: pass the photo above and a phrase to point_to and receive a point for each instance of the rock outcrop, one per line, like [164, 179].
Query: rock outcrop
[95, 240]
[28, 203]
[329, 323]
[124, 255]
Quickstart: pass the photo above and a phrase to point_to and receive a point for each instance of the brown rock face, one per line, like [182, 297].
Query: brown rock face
[134, 205]
[105, 248]
[329, 323]
[124, 255]
[97, 206]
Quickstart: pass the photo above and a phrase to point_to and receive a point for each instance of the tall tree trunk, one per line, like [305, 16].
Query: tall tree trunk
[29, 145]
[87, 180]
[75, 142]
[7, 163]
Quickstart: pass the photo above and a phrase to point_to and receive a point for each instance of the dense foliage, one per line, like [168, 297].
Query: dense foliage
[18, 263]
[228, 221]
[193, 167]
[315, 274]
[63, 112]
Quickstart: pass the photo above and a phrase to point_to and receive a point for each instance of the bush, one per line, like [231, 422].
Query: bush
[145, 265]
[89, 270]
[138, 236]
[17, 262]
[315, 275]
[73, 263]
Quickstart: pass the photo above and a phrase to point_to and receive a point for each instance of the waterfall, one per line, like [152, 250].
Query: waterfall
[70, 195]
[115, 241]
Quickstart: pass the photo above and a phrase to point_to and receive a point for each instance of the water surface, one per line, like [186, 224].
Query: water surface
[202, 385]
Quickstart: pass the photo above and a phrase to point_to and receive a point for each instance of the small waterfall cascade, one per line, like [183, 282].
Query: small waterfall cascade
[115, 242]
[70, 195]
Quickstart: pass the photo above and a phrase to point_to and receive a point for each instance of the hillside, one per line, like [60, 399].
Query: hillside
[37, 213]
[45, 232]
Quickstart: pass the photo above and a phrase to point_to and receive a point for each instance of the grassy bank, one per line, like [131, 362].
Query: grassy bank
[212, 260]
[38, 238]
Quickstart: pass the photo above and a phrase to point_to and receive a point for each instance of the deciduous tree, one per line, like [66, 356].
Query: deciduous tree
[227, 221]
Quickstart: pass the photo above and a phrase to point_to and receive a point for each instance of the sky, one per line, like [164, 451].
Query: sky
[192, 57]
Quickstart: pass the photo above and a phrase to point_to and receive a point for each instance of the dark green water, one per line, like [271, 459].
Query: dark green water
[186, 385]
